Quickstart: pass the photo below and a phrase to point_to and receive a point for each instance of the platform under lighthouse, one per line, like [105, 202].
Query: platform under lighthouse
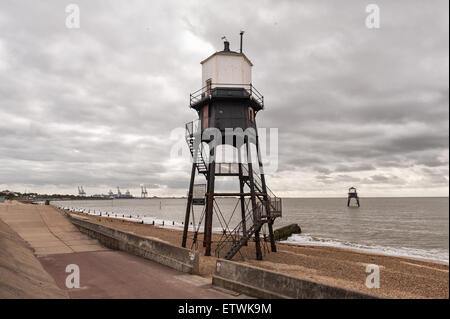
[226, 105]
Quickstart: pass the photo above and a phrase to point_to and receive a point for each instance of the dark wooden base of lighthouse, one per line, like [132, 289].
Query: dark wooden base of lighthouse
[221, 108]
[350, 199]
[257, 206]
[352, 194]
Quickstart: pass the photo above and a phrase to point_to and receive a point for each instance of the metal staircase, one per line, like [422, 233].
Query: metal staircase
[273, 202]
[236, 238]
[197, 155]
[196, 147]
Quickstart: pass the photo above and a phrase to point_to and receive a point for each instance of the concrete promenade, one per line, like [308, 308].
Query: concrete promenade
[104, 273]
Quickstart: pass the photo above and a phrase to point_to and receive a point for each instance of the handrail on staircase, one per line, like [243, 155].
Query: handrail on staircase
[197, 151]
[258, 182]
[234, 236]
[192, 128]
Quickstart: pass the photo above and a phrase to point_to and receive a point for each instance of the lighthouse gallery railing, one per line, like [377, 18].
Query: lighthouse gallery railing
[209, 90]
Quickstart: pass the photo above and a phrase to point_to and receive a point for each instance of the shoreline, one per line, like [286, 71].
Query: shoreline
[321, 242]
[401, 277]
[369, 250]
[376, 253]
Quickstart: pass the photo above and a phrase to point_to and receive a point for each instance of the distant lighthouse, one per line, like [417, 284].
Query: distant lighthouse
[227, 103]
[352, 194]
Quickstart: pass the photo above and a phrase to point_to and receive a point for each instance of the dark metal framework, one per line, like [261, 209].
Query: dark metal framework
[257, 204]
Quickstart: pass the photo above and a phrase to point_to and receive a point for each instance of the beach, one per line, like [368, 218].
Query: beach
[400, 277]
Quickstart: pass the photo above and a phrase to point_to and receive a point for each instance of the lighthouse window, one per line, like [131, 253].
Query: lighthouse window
[251, 114]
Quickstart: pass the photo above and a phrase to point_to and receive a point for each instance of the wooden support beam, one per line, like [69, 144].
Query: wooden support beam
[188, 206]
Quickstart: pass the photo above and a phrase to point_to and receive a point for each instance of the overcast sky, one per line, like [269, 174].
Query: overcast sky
[96, 106]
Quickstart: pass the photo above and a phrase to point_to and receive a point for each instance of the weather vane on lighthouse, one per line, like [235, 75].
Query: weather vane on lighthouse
[226, 128]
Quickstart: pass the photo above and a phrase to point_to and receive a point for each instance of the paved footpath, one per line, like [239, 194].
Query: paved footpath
[104, 273]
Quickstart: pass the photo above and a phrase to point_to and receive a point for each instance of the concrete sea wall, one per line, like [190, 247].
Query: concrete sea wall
[261, 283]
[178, 258]
[21, 273]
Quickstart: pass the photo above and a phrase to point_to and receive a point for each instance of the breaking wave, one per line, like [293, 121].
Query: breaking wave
[430, 254]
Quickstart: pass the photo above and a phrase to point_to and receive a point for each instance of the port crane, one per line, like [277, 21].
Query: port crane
[81, 191]
[144, 191]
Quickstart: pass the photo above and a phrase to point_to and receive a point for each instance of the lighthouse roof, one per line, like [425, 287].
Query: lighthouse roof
[228, 53]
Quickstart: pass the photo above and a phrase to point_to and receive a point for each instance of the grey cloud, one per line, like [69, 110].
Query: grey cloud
[384, 179]
[96, 106]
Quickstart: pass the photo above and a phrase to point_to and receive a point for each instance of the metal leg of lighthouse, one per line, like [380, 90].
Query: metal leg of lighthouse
[205, 226]
[273, 246]
[256, 214]
[241, 190]
[189, 205]
[266, 199]
[270, 219]
[209, 205]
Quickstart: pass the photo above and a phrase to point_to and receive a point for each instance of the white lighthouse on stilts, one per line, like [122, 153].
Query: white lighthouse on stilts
[226, 105]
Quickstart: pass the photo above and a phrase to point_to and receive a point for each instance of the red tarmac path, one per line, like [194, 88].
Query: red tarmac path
[115, 274]
[104, 273]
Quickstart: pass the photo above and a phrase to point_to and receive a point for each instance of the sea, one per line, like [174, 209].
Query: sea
[410, 227]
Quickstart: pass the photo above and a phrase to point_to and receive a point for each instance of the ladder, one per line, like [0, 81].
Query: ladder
[195, 147]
